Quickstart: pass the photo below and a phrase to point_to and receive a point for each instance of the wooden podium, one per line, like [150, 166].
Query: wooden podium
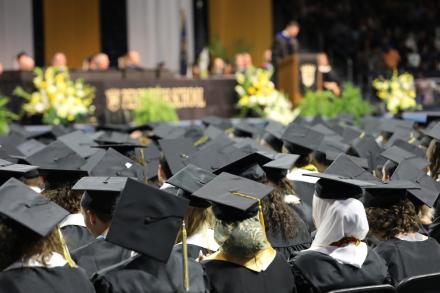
[298, 73]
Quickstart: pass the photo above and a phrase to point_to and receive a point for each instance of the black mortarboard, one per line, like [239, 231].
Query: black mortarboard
[323, 129]
[398, 155]
[10, 142]
[113, 163]
[80, 143]
[371, 125]
[412, 148]
[167, 131]
[190, 179]
[218, 122]
[147, 220]
[428, 192]
[234, 198]
[176, 152]
[56, 156]
[213, 156]
[245, 129]
[274, 134]
[433, 132]
[8, 170]
[402, 133]
[240, 160]
[391, 125]
[332, 186]
[332, 144]
[351, 133]
[213, 132]
[361, 162]
[28, 208]
[383, 195]
[5, 156]
[251, 144]
[95, 183]
[126, 149]
[346, 167]
[301, 140]
[366, 147]
[113, 137]
[30, 147]
[280, 165]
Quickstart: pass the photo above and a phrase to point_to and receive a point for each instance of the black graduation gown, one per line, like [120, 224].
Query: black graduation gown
[317, 272]
[289, 247]
[410, 258]
[45, 280]
[223, 276]
[98, 255]
[76, 236]
[143, 274]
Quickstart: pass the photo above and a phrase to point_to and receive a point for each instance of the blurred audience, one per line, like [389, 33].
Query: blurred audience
[25, 62]
[131, 60]
[100, 62]
[267, 60]
[217, 67]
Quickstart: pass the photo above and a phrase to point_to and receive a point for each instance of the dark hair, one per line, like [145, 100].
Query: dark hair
[433, 156]
[292, 23]
[18, 242]
[388, 168]
[302, 161]
[277, 213]
[21, 54]
[165, 167]
[65, 197]
[101, 203]
[387, 223]
[321, 158]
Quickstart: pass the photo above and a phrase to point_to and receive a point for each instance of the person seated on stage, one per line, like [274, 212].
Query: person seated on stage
[393, 218]
[25, 62]
[195, 71]
[267, 60]
[330, 79]
[217, 67]
[59, 60]
[246, 262]
[97, 207]
[338, 257]
[247, 61]
[88, 63]
[33, 257]
[239, 63]
[133, 60]
[100, 62]
[147, 221]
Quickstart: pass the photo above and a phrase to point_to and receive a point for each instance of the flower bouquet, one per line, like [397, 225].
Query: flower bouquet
[57, 98]
[257, 95]
[398, 93]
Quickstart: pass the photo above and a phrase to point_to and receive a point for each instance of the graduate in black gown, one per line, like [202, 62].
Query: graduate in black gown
[97, 206]
[245, 262]
[33, 256]
[147, 221]
[393, 218]
[58, 188]
[338, 258]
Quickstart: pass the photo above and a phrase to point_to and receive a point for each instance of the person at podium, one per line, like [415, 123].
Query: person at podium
[285, 42]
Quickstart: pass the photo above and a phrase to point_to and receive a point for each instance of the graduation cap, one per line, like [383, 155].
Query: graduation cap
[361, 162]
[30, 147]
[433, 132]
[386, 194]
[126, 149]
[401, 133]
[343, 165]
[8, 170]
[10, 142]
[245, 129]
[323, 129]
[113, 137]
[366, 147]
[28, 208]
[190, 179]
[5, 156]
[240, 162]
[213, 155]
[280, 165]
[101, 193]
[399, 155]
[55, 178]
[424, 117]
[213, 132]
[113, 163]
[251, 144]
[332, 144]
[56, 156]
[428, 192]
[80, 143]
[301, 140]
[350, 133]
[167, 131]
[234, 198]
[218, 122]
[147, 220]
[332, 186]
[176, 152]
[274, 134]
[391, 125]
[371, 125]
[412, 148]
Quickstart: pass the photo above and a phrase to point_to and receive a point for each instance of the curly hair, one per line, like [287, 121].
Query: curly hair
[387, 223]
[19, 243]
[433, 156]
[65, 197]
[277, 214]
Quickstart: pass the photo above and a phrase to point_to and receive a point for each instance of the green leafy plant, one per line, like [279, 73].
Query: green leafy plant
[328, 105]
[6, 116]
[216, 48]
[153, 108]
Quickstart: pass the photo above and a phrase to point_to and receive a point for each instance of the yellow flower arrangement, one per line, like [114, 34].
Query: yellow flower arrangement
[256, 93]
[398, 93]
[58, 98]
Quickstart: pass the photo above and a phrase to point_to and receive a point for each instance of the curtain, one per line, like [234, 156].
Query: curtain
[154, 29]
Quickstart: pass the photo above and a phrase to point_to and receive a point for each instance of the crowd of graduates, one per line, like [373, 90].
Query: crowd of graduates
[220, 205]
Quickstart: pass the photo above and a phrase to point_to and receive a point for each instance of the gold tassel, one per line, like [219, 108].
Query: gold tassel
[185, 258]
[66, 252]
